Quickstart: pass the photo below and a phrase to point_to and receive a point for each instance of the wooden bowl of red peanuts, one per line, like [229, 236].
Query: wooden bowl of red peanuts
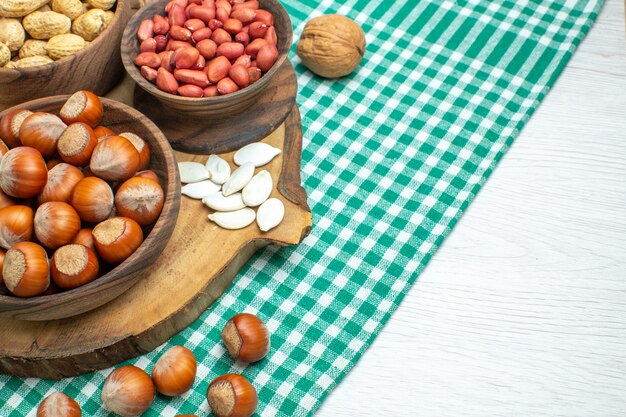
[207, 58]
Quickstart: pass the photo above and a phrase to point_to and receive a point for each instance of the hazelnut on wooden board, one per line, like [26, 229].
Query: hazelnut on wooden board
[331, 45]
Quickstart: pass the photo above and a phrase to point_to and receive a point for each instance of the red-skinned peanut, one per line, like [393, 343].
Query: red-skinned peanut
[266, 57]
[211, 91]
[180, 33]
[221, 14]
[166, 60]
[177, 15]
[245, 16]
[161, 25]
[190, 90]
[243, 60]
[226, 86]
[185, 57]
[257, 29]
[231, 50]
[203, 13]
[214, 24]
[207, 48]
[200, 63]
[253, 4]
[254, 74]
[149, 59]
[188, 9]
[239, 74]
[233, 26]
[253, 48]
[186, 76]
[220, 36]
[149, 45]
[201, 34]
[146, 30]
[173, 45]
[148, 73]
[194, 24]
[218, 68]
[161, 43]
[265, 17]
[224, 4]
[243, 38]
[166, 81]
[270, 36]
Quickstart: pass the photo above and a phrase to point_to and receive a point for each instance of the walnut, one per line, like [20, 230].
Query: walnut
[331, 45]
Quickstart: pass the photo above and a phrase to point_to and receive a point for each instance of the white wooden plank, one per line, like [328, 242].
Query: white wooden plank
[522, 312]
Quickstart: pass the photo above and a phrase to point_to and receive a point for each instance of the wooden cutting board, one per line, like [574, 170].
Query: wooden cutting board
[196, 267]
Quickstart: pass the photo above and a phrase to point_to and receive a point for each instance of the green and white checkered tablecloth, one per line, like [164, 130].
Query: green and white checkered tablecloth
[392, 156]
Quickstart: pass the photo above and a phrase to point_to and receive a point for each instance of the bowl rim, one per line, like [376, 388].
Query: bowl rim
[131, 68]
[169, 213]
[119, 6]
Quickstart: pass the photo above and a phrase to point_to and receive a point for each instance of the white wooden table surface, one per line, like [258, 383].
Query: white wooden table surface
[522, 312]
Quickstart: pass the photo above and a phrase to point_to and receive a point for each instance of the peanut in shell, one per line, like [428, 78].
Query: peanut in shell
[45, 25]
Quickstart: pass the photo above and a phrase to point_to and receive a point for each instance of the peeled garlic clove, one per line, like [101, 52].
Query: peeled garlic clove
[200, 189]
[257, 153]
[192, 172]
[239, 179]
[217, 201]
[258, 189]
[270, 214]
[219, 170]
[233, 219]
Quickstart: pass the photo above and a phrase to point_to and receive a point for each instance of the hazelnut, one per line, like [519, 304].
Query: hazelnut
[331, 45]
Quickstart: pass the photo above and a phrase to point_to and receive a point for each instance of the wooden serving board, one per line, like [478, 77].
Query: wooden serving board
[198, 264]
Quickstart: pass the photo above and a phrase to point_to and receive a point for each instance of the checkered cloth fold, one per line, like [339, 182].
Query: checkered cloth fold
[392, 156]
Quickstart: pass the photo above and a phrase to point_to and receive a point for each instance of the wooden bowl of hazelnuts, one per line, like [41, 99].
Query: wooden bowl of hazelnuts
[89, 197]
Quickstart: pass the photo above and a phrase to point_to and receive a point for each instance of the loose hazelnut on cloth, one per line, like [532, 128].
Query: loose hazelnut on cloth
[331, 45]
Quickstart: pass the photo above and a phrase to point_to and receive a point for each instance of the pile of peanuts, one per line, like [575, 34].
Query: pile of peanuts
[206, 48]
[38, 32]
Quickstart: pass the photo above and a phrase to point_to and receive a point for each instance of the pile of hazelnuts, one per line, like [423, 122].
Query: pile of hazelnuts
[129, 391]
[74, 197]
[206, 48]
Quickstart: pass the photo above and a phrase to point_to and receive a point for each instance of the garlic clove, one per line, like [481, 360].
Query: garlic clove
[257, 153]
[233, 220]
[239, 179]
[192, 172]
[218, 202]
[258, 189]
[270, 214]
[200, 189]
[219, 170]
